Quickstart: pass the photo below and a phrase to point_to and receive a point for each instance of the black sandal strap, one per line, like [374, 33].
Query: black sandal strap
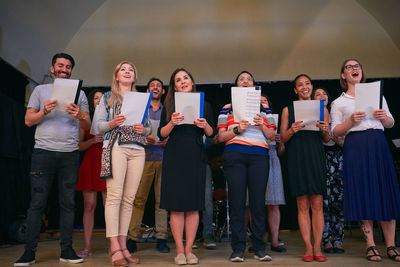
[375, 254]
[395, 253]
[373, 249]
[394, 249]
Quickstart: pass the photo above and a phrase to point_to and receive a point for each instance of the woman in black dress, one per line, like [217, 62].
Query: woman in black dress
[184, 167]
[306, 169]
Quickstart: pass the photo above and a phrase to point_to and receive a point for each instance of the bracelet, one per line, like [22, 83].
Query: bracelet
[81, 116]
[45, 112]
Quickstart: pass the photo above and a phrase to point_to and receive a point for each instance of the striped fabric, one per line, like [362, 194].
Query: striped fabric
[252, 136]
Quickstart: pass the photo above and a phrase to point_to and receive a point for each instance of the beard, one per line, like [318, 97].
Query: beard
[62, 74]
[156, 97]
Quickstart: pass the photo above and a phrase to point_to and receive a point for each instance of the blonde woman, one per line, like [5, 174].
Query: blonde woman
[122, 161]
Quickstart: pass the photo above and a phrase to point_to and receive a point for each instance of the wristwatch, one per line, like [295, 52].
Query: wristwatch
[236, 130]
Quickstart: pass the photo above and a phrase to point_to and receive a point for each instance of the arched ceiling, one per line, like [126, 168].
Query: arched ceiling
[214, 39]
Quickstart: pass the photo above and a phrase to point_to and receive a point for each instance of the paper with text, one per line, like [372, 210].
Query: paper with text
[245, 103]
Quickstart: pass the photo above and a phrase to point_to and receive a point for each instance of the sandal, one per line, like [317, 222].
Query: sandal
[375, 254]
[86, 252]
[130, 259]
[120, 261]
[394, 255]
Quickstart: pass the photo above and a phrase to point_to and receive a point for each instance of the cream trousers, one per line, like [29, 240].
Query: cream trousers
[127, 168]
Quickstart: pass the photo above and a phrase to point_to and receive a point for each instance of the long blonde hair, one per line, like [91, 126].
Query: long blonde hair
[115, 89]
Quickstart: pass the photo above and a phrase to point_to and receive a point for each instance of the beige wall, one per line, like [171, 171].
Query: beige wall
[213, 39]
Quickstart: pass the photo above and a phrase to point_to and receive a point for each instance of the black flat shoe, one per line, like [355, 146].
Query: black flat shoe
[278, 248]
[338, 250]
[330, 250]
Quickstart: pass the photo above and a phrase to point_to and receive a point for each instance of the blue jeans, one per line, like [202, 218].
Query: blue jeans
[208, 204]
[246, 171]
[46, 165]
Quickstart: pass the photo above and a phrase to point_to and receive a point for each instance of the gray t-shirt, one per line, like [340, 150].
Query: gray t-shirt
[58, 131]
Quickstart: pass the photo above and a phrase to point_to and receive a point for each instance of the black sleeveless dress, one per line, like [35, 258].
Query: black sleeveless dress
[306, 162]
[184, 166]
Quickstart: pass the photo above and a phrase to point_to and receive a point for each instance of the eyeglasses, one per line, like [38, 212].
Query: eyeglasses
[354, 67]
[245, 79]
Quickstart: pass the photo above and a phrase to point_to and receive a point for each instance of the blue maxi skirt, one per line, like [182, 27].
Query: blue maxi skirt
[371, 189]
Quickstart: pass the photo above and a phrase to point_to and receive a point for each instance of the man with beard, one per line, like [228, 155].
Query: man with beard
[55, 155]
[152, 171]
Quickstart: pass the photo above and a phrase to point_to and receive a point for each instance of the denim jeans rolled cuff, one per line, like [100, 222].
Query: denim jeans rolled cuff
[45, 166]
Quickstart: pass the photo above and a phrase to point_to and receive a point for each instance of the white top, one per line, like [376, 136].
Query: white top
[344, 106]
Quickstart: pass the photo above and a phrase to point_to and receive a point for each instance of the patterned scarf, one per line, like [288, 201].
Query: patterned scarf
[125, 135]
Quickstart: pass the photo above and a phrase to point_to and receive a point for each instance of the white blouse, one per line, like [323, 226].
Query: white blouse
[344, 106]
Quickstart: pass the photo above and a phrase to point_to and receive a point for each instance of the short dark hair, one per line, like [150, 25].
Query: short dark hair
[269, 102]
[299, 76]
[319, 87]
[154, 79]
[63, 55]
[244, 71]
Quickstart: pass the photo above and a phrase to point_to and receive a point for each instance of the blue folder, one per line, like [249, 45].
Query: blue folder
[147, 107]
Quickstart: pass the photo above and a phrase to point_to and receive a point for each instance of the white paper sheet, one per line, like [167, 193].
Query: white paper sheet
[188, 105]
[64, 91]
[276, 118]
[367, 97]
[307, 111]
[245, 103]
[154, 128]
[93, 129]
[396, 142]
[134, 106]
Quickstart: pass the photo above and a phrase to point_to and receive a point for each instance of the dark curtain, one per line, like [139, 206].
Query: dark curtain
[17, 144]
[15, 150]
[15, 156]
[281, 94]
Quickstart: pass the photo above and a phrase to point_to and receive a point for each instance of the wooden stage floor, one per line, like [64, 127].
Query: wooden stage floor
[48, 253]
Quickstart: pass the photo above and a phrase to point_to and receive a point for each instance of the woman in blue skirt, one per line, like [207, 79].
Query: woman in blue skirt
[371, 190]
